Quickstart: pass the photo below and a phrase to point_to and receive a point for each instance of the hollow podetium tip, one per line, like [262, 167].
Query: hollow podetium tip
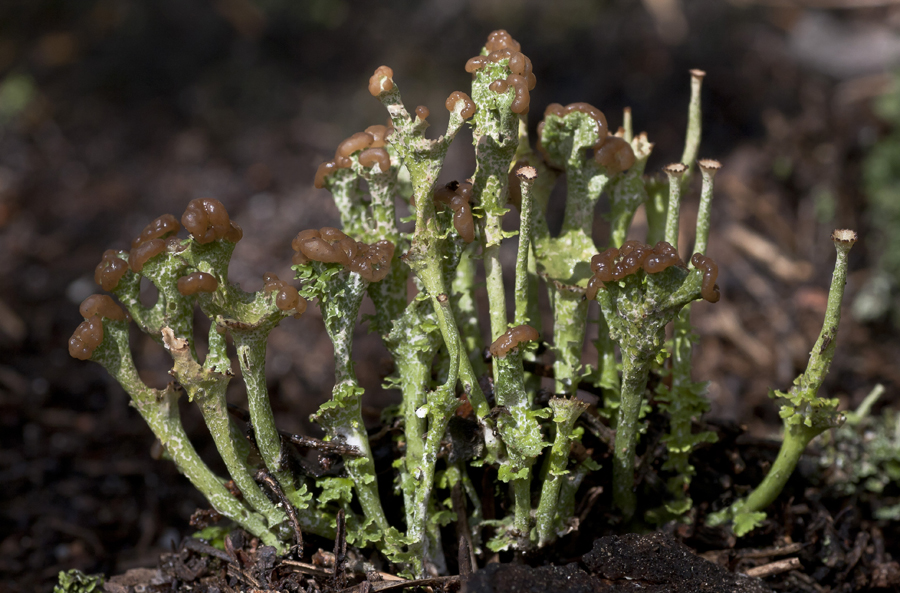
[844, 237]
[695, 73]
[676, 169]
[526, 173]
[710, 166]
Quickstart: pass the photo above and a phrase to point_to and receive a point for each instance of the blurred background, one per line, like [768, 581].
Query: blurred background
[113, 112]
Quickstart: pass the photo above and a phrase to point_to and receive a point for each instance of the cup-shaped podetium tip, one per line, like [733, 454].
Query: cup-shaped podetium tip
[844, 237]
[709, 166]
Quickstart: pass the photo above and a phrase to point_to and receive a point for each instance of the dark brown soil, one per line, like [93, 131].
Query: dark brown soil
[137, 108]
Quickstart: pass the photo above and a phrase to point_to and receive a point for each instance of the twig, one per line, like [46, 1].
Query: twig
[773, 568]
[398, 585]
[241, 575]
[263, 476]
[465, 559]
[340, 551]
[306, 568]
[770, 552]
[457, 499]
[334, 447]
[195, 545]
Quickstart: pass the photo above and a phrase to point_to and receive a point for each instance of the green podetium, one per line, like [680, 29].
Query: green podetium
[804, 413]
[456, 412]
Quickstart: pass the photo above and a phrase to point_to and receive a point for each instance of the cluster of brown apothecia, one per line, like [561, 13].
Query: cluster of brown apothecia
[615, 264]
[611, 151]
[458, 196]
[371, 143]
[89, 334]
[205, 218]
[502, 46]
[331, 246]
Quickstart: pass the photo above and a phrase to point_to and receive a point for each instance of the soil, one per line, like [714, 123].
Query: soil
[136, 108]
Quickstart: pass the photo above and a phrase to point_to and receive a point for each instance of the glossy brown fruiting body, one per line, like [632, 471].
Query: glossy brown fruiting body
[381, 81]
[501, 46]
[110, 270]
[88, 335]
[456, 96]
[457, 197]
[141, 254]
[288, 298]
[370, 142]
[160, 228]
[207, 220]
[331, 246]
[370, 156]
[615, 264]
[512, 338]
[197, 282]
[708, 290]
[102, 305]
[379, 135]
[615, 154]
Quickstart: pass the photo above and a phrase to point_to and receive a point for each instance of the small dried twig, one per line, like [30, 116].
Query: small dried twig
[334, 447]
[465, 559]
[773, 568]
[340, 551]
[241, 575]
[195, 545]
[401, 584]
[264, 477]
[770, 552]
[306, 568]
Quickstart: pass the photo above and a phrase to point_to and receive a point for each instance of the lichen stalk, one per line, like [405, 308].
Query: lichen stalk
[466, 313]
[569, 327]
[637, 310]
[805, 415]
[251, 353]
[520, 431]
[527, 177]
[496, 139]
[424, 160]
[695, 121]
[340, 297]
[439, 408]
[673, 212]
[206, 386]
[565, 412]
[635, 371]
[159, 408]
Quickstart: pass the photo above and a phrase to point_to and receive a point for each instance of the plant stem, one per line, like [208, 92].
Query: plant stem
[342, 416]
[527, 178]
[695, 121]
[569, 327]
[565, 413]
[805, 415]
[159, 408]
[441, 404]
[673, 212]
[207, 387]
[635, 371]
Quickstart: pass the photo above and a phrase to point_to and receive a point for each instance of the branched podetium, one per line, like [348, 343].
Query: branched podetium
[450, 420]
